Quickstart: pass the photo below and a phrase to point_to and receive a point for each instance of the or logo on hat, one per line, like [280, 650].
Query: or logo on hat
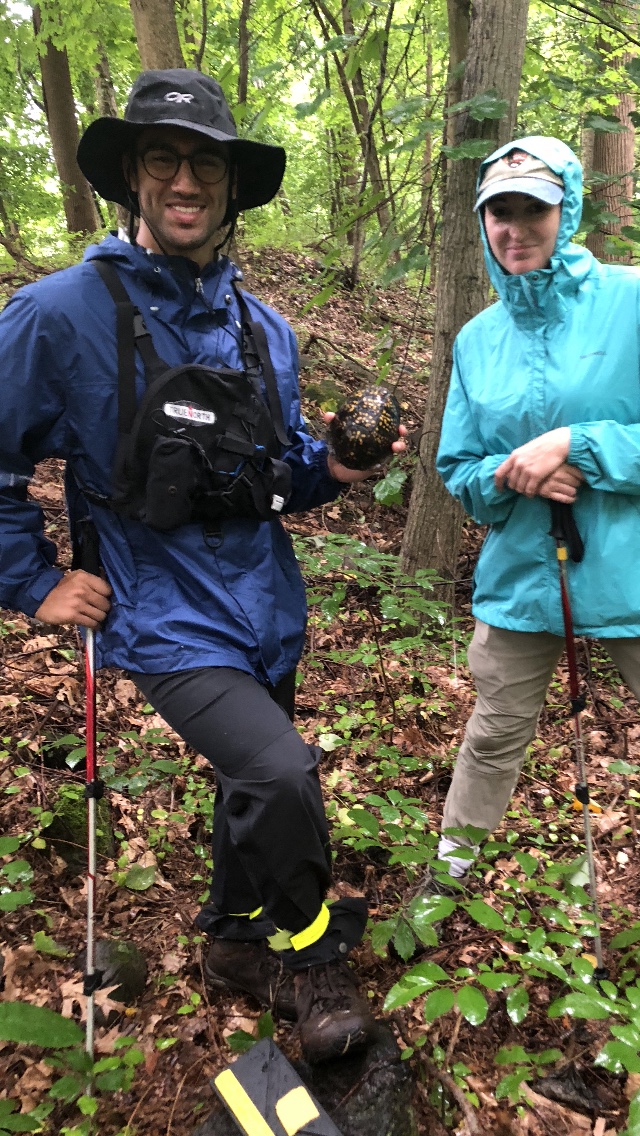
[516, 158]
[178, 97]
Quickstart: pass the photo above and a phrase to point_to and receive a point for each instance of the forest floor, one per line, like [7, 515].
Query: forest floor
[389, 713]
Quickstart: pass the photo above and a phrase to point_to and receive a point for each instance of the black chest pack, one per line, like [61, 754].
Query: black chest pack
[202, 445]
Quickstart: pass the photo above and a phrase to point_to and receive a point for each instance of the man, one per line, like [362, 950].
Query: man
[208, 618]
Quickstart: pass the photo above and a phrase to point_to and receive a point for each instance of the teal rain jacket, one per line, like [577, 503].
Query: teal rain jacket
[560, 348]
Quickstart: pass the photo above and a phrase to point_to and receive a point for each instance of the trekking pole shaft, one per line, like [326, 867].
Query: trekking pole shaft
[90, 687]
[87, 558]
[577, 705]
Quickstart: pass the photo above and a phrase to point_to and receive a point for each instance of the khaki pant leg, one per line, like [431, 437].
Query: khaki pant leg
[512, 670]
[625, 653]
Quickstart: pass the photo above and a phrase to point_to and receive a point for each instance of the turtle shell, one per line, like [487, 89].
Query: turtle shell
[364, 427]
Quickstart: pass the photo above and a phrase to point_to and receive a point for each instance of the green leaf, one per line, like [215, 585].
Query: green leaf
[9, 844]
[495, 981]
[617, 1056]
[389, 490]
[11, 900]
[545, 962]
[329, 742]
[581, 1006]
[485, 915]
[415, 982]
[48, 946]
[527, 862]
[139, 878]
[472, 148]
[626, 938]
[36, 1025]
[17, 872]
[404, 941]
[633, 70]
[382, 932]
[472, 1004]
[303, 110]
[166, 766]
[602, 125]
[430, 909]
[625, 767]
[517, 1004]
[266, 1027]
[365, 820]
[438, 1002]
[240, 1041]
[512, 1055]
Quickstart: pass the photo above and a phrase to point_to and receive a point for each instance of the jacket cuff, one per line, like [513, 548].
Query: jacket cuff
[580, 453]
[29, 598]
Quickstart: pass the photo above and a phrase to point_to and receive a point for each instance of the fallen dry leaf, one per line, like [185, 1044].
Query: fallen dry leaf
[558, 1119]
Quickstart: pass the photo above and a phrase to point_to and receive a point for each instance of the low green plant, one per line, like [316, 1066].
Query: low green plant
[81, 1081]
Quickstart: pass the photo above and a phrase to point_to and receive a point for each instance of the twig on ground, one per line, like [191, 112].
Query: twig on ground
[142, 1099]
[179, 1090]
[444, 1078]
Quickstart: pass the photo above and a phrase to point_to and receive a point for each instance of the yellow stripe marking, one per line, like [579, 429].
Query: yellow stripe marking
[313, 932]
[241, 1105]
[562, 553]
[295, 1109]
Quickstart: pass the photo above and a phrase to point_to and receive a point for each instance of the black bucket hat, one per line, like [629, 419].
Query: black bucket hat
[177, 98]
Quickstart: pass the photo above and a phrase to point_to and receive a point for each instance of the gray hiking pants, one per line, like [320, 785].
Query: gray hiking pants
[512, 670]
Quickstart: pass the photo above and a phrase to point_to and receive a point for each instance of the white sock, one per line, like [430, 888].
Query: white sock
[458, 865]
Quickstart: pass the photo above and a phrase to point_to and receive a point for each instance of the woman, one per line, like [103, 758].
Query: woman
[544, 405]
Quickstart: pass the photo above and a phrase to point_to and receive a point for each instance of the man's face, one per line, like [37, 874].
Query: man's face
[180, 214]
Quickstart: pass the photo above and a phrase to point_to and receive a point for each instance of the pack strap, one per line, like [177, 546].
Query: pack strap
[132, 333]
[254, 342]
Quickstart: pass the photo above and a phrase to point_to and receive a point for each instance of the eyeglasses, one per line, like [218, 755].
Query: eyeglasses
[163, 163]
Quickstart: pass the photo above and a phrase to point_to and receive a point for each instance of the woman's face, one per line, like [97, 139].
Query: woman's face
[521, 231]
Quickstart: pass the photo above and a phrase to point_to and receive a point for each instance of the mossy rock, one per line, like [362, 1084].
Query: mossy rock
[122, 965]
[68, 830]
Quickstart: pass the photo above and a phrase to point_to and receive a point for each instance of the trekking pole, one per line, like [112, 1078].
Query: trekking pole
[88, 558]
[569, 545]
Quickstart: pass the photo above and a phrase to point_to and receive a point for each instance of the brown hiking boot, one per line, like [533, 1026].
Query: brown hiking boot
[333, 1018]
[251, 968]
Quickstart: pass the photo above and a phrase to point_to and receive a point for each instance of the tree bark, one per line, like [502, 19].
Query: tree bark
[357, 102]
[60, 109]
[493, 62]
[614, 156]
[157, 34]
[243, 52]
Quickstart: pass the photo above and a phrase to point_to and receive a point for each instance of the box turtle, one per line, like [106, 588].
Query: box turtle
[364, 427]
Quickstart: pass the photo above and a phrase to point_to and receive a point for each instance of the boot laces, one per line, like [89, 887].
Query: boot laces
[327, 988]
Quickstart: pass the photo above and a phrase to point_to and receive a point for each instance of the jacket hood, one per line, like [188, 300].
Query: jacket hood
[539, 294]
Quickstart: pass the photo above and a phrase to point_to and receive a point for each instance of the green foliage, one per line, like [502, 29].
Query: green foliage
[36, 1025]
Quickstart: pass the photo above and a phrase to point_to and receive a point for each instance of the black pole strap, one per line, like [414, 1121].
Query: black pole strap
[565, 531]
[86, 547]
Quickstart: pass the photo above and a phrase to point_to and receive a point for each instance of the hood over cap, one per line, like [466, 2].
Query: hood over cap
[569, 262]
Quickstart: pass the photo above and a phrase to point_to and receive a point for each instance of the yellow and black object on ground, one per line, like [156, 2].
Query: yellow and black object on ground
[266, 1097]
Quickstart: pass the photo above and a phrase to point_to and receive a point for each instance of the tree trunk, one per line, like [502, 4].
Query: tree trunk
[243, 52]
[614, 156]
[108, 108]
[357, 102]
[60, 109]
[157, 34]
[494, 62]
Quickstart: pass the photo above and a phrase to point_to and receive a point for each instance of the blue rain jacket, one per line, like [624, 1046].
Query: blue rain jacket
[177, 601]
[560, 348]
